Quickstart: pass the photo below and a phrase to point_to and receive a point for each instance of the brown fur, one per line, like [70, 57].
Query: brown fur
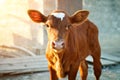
[81, 40]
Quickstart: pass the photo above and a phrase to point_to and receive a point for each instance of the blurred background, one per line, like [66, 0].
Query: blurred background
[105, 14]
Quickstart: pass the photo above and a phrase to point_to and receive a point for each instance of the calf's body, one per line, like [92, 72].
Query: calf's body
[70, 41]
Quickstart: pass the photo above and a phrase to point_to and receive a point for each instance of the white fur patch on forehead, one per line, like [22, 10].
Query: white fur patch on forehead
[59, 15]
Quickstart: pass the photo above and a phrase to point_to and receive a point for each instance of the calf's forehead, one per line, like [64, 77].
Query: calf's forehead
[58, 18]
[59, 15]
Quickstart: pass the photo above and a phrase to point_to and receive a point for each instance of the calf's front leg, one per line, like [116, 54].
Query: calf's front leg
[83, 70]
[73, 72]
[53, 75]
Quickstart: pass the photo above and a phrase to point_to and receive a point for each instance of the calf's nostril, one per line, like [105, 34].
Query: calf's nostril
[58, 44]
[53, 43]
[63, 44]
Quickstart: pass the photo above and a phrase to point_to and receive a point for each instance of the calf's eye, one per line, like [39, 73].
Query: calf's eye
[47, 25]
[67, 27]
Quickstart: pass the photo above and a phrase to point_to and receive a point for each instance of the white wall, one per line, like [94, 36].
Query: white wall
[16, 28]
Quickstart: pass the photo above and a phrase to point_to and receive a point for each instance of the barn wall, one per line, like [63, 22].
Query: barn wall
[16, 28]
[105, 14]
[70, 6]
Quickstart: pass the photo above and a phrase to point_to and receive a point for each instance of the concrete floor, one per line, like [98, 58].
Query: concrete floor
[108, 73]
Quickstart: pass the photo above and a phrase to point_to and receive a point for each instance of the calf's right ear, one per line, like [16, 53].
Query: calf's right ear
[36, 16]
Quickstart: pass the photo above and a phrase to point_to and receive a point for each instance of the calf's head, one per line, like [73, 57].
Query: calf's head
[58, 24]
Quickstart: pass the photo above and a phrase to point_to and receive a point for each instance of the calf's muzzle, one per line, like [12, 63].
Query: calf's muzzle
[58, 44]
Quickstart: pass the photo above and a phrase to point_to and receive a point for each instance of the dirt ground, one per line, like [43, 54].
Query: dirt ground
[108, 73]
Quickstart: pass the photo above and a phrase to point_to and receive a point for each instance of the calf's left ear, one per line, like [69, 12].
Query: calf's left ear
[79, 16]
[36, 16]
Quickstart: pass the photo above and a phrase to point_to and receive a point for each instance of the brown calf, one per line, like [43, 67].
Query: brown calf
[70, 40]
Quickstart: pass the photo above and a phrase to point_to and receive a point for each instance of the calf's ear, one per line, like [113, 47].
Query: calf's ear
[36, 16]
[79, 16]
